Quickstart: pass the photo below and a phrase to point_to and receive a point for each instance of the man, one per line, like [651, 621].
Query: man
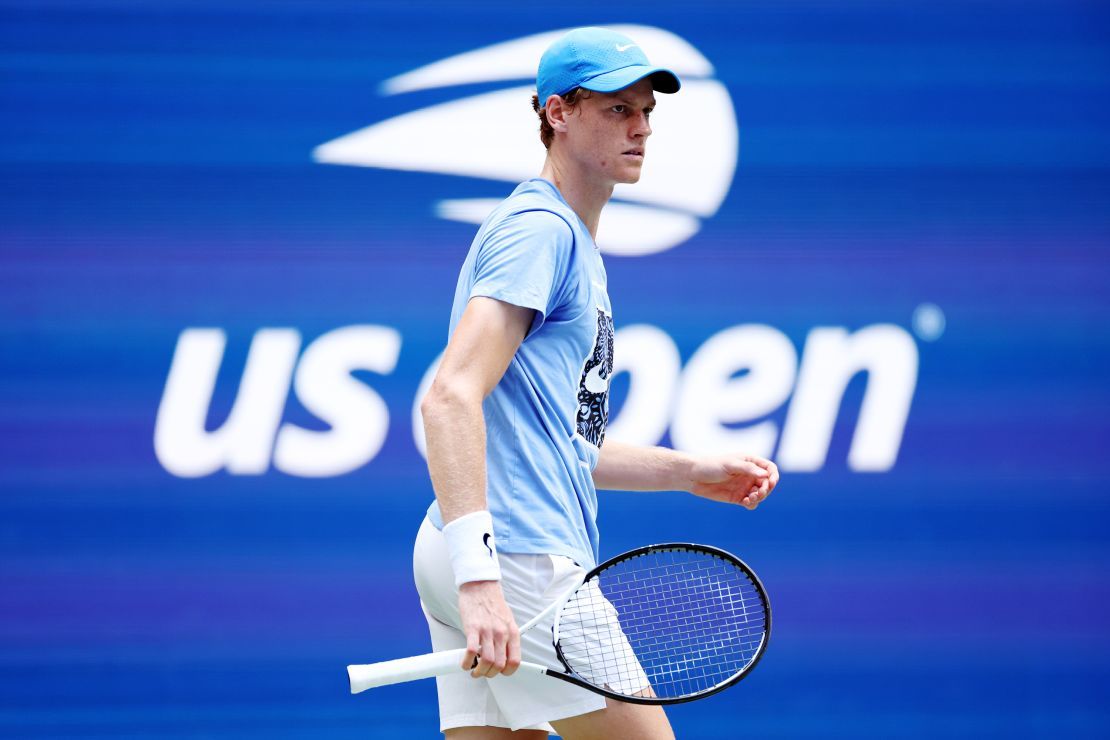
[515, 419]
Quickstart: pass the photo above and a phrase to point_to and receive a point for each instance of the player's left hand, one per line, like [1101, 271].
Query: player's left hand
[734, 479]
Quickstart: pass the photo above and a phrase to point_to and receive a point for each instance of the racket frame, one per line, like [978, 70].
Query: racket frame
[570, 676]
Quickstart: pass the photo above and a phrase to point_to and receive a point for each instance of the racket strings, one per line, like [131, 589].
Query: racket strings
[665, 624]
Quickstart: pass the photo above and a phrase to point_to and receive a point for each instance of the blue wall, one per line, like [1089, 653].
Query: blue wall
[157, 176]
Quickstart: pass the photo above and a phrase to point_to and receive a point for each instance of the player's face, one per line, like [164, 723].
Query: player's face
[608, 132]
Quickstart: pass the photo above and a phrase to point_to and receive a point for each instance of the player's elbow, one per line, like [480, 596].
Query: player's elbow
[448, 399]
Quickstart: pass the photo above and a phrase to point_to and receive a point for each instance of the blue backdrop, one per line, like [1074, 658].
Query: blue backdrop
[931, 177]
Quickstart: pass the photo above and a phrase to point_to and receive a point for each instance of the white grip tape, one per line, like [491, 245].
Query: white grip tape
[472, 549]
[444, 663]
[405, 669]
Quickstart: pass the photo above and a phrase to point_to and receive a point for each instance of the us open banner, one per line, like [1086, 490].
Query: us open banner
[870, 243]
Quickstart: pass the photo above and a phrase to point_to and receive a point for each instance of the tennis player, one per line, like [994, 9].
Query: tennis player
[515, 418]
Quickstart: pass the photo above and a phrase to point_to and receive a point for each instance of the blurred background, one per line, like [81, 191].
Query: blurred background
[873, 245]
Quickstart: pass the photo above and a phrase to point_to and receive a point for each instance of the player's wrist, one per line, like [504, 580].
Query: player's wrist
[472, 548]
[683, 476]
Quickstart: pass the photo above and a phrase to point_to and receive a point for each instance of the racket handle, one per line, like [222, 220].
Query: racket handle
[365, 677]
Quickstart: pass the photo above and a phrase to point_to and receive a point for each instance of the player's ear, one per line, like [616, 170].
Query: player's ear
[557, 111]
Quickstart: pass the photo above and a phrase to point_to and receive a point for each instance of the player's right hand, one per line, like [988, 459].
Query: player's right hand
[492, 637]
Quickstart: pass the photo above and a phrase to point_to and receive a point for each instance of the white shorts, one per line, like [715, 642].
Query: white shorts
[523, 700]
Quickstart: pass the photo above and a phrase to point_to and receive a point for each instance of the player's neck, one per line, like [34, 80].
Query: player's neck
[583, 193]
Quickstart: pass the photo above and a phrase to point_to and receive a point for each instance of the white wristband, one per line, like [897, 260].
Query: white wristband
[472, 549]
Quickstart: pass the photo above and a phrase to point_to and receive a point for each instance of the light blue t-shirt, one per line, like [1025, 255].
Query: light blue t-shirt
[545, 419]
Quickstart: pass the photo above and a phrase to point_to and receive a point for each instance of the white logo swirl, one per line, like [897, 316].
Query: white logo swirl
[493, 135]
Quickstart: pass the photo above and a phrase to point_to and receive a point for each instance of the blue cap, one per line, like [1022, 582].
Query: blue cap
[600, 60]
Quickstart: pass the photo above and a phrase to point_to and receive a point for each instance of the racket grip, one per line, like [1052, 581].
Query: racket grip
[368, 676]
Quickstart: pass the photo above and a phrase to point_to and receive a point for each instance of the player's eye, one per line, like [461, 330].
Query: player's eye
[618, 109]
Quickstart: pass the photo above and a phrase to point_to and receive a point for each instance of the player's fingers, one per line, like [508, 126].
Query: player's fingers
[500, 650]
[472, 649]
[773, 471]
[485, 657]
[513, 660]
[745, 466]
[769, 467]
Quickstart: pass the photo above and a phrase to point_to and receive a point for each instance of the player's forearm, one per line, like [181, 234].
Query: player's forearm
[623, 467]
[455, 434]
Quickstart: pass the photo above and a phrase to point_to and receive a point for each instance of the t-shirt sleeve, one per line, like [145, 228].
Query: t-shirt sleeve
[524, 260]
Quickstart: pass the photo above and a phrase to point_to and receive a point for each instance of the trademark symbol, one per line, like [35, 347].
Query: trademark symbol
[928, 322]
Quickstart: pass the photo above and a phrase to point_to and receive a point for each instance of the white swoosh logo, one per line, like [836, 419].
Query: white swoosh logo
[594, 382]
[626, 47]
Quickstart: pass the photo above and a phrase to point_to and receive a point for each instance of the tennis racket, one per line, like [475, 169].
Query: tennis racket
[661, 624]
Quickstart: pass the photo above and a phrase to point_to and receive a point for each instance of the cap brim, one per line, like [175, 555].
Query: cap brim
[662, 80]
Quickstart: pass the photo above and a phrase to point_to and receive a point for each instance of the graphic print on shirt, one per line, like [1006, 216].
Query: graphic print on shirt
[593, 388]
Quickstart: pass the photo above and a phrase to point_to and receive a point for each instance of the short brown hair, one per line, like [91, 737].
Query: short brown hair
[547, 134]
